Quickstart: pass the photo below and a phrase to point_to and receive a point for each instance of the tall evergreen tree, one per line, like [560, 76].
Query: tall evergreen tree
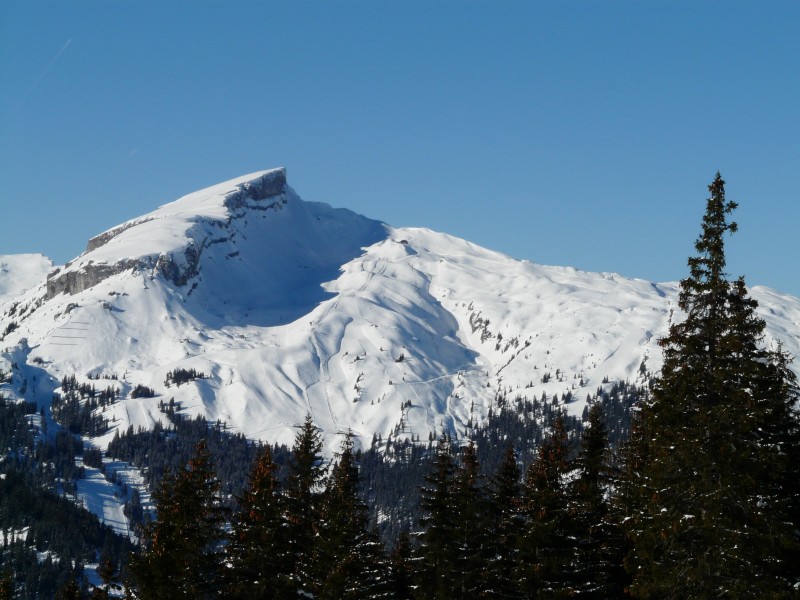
[436, 553]
[6, 586]
[303, 488]
[258, 546]
[69, 591]
[712, 513]
[470, 536]
[182, 555]
[598, 541]
[546, 552]
[401, 568]
[505, 521]
[347, 561]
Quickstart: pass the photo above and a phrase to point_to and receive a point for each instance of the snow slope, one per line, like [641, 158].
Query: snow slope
[291, 307]
[20, 272]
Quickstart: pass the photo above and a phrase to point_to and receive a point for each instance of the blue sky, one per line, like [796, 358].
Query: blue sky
[568, 133]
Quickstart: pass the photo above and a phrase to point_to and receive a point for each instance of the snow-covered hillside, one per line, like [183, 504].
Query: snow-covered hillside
[20, 272]
[290, 307]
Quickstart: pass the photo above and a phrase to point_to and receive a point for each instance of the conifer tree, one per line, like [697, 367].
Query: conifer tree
[347, 561]
[436, 552]
[470, 539]
[505, 521]
[69, 591]
[182, 556]
[711, 512]
[545, 548]
[106, 570]
[401, 568]
[6, 586]
[596, 571]
[303, 488]
[258, 548]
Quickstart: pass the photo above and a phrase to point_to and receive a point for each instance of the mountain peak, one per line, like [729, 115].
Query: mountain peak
[266, 185]
[232, 194]
[170, 239]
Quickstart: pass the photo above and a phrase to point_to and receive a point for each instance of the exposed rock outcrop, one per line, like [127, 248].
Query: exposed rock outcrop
[268, 191]
[266, 187]
[74, 282]
[102, 239]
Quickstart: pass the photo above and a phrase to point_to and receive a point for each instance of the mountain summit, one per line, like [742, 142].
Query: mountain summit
[282, 307]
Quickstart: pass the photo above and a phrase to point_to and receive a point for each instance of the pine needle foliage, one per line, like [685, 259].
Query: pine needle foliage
[596, 571]
[436, 555]
[503, 525]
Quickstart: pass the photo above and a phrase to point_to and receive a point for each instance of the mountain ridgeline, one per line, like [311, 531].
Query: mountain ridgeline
[511, 430]
[291, 308]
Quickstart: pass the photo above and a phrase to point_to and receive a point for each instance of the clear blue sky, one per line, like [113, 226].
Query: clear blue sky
[567, 133]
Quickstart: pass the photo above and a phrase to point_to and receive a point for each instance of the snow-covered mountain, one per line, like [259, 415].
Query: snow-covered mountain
[20, 272]
[291, 307]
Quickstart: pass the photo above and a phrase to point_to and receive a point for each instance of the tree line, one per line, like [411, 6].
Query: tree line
[310, 534]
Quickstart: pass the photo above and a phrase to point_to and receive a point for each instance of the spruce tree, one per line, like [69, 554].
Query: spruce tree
[436, 553]
[597, 538]
[505, 521]
[347, 561]
[258, 547]
[401, 568]
[6, 586]
[470, 535]
[69, 591]
[711, 512]
[303, 488]
[182, 555]
[546, 551]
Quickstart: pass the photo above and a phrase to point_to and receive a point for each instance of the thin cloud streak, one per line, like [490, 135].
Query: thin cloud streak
[43, 73]
[121, 163]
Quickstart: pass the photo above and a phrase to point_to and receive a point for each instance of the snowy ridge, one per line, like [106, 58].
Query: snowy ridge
[289, 307]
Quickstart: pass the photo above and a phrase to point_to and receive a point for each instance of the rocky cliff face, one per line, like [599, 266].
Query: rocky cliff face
[269, 186]
[179, 265]
[74, 282]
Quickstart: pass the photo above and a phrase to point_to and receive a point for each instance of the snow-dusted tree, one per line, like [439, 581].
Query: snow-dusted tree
[470, 539]
[504, 525]
[401, 568]
[598, 540]
[712, 495]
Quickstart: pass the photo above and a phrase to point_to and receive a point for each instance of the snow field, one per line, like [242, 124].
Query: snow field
[295, 307]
